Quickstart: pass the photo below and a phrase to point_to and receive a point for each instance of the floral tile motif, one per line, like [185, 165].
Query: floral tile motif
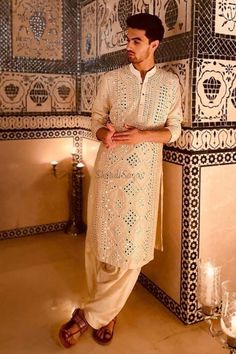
[225, 17]
[175, 15]
[37, 29]
[88, 91]
[88, 31]
[216, 91]
[181, 69]
[23, 92]
[143, 6]
[112, 16]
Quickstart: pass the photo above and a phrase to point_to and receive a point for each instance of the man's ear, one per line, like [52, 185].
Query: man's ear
[155, 44]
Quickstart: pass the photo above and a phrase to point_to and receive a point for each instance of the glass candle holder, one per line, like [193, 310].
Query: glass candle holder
[209, 289]
[228, 314]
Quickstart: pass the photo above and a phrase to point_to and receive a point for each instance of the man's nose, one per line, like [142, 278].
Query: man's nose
[129, 46]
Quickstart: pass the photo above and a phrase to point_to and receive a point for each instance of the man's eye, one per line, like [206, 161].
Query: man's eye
[136, 42]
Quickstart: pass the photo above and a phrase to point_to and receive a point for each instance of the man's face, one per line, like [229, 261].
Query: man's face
[138, 47]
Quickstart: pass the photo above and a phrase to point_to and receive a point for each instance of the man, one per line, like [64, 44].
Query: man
[136, 111]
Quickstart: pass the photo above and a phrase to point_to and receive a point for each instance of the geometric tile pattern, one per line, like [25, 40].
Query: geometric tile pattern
[37, 29]
[45, 122]
[88, 31]
[206, 139]
[175, 15]
[23, 92]
[215, 91]
[32, 230]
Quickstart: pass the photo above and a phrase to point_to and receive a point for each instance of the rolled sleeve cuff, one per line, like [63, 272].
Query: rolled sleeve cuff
[175, 133]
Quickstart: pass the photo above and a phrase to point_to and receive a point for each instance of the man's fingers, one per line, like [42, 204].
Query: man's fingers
[110, 127]
[121, 138]
[127, 126]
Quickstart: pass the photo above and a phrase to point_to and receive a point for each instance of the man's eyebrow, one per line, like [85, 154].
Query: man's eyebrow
[134, 38]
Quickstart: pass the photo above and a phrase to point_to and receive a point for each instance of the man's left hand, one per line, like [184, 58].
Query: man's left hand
[130, 136]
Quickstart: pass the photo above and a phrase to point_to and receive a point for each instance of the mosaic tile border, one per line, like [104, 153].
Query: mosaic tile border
[32, 230]
[160, 295]
[45, 122]
[192, 164]
[211, 139]
[69, 63]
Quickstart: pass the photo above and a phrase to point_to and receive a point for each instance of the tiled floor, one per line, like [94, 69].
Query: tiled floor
[42, 279]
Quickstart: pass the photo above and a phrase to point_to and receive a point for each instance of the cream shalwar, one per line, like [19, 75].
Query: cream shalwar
[124, 191]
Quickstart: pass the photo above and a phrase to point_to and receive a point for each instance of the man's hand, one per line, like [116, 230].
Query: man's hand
[130, 136]
[106, 134]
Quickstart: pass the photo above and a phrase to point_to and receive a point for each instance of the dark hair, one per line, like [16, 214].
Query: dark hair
[150, 23]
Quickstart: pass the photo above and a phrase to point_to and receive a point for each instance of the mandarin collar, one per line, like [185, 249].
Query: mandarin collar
[137, 73]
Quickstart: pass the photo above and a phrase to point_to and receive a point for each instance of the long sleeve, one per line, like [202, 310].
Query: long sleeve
[101, 107]
[175, 116]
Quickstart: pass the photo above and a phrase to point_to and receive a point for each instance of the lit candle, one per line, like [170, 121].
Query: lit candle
[74, 151]
[80, 165]
[54, 163]
[233, 325]
[209, 283]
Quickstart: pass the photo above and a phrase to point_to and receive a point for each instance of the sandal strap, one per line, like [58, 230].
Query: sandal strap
[78, 318]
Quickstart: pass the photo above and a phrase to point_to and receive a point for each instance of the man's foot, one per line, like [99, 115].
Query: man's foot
[73, 329]
[104, 334]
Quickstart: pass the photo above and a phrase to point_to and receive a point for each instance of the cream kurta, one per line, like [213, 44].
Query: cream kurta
[125, 186]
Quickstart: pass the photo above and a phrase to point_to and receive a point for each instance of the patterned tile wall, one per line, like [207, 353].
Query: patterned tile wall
[88, 91]
[214, 69]
[38, 59]
[175, 14]
[23, 92]
[225, 17]
[38, 36]
[37, 29]
[88, 31]
[215, 91]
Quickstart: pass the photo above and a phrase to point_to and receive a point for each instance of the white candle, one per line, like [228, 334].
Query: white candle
[230, 329]
[74, 151]
[209, 283]
[233, 325]
[80, 164]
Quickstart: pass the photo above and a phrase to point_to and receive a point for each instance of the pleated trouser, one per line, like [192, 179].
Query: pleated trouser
[109, 288]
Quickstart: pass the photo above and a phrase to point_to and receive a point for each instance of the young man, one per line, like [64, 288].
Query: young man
[136, 111]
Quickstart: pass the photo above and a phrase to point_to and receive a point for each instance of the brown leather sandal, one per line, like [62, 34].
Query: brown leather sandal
[68, 338]
[107, 334]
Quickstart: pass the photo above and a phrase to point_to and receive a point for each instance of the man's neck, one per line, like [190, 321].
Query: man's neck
[144, 68]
